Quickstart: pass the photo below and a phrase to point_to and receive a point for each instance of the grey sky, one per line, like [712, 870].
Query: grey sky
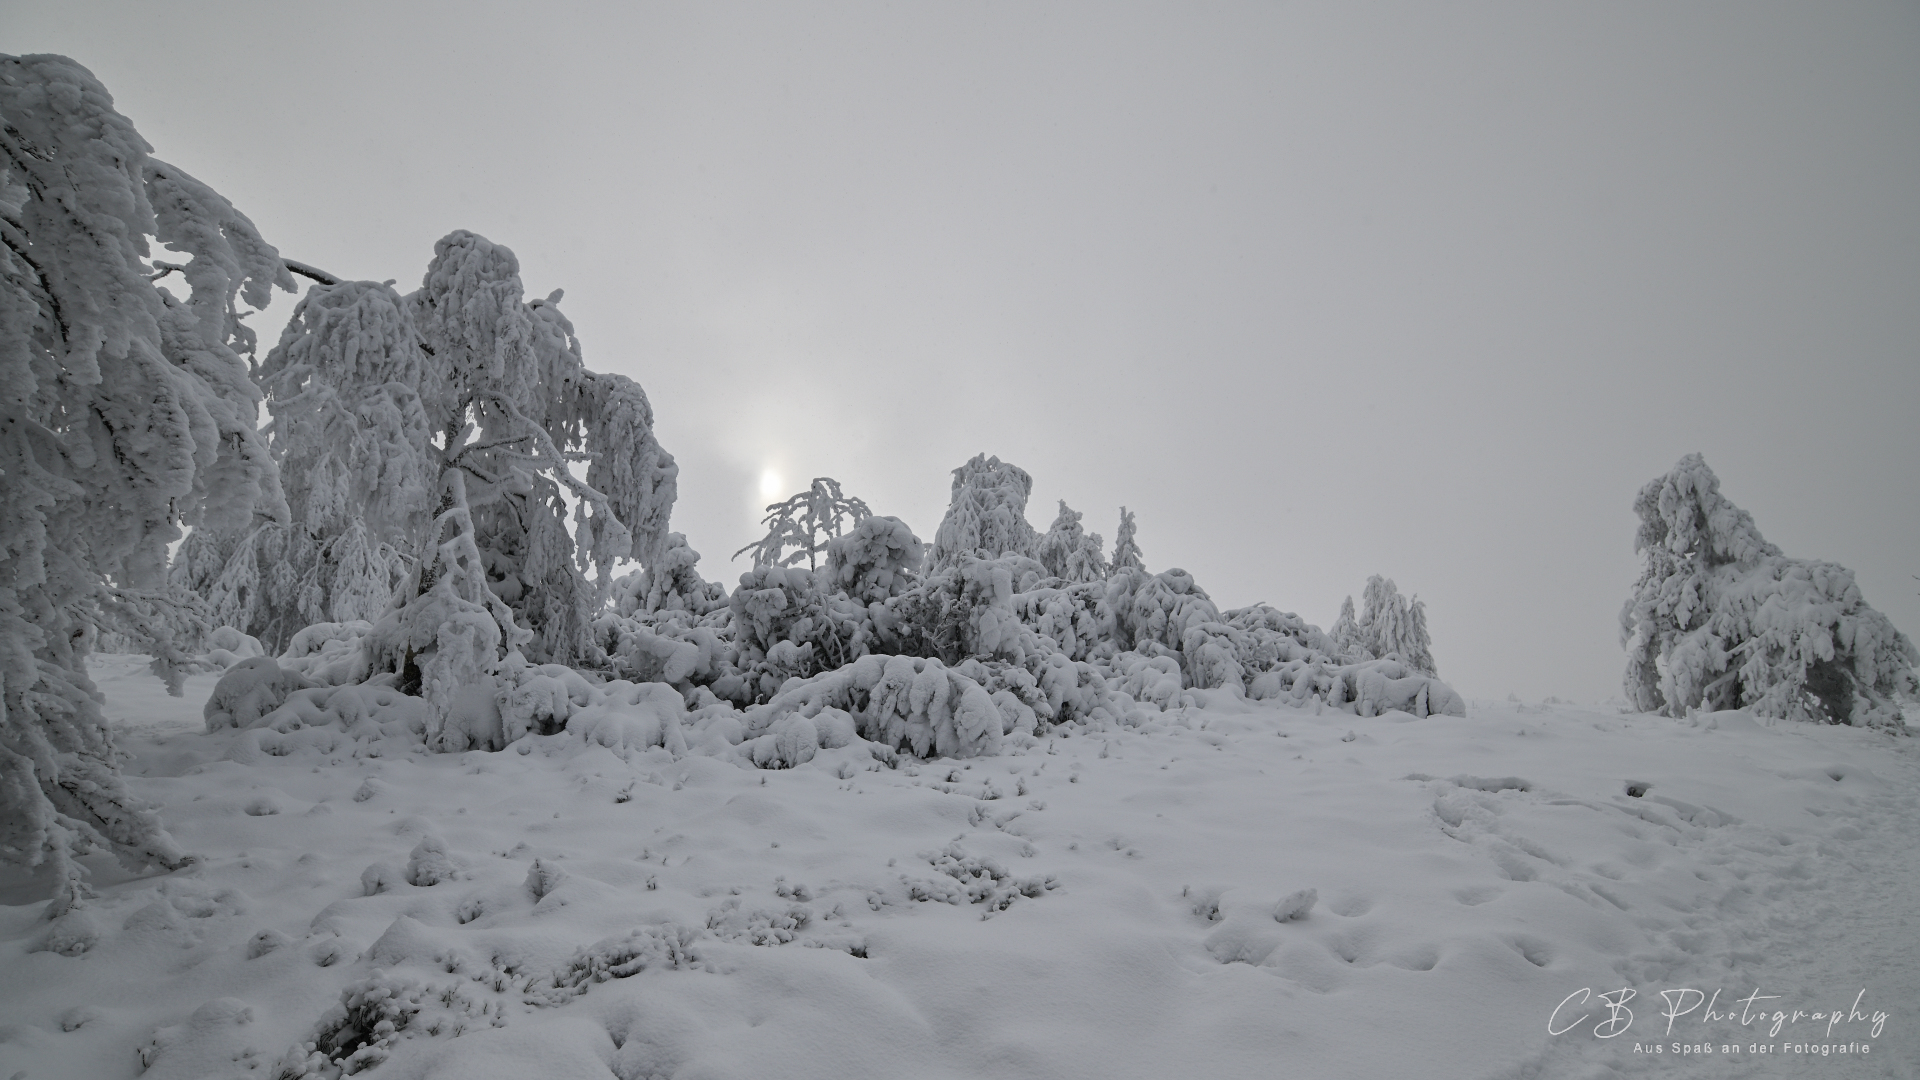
[1319, 291]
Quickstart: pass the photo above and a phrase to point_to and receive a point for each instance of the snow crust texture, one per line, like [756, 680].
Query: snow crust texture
[1232, 884]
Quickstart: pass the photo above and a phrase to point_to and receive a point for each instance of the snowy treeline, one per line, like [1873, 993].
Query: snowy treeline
[1720, 619]
[997, 630]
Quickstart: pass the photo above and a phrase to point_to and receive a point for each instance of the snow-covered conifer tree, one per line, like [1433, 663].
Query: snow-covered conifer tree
[807, 522]
[1069, 552]
[1126, 551]
[1720, 619]
[124, 413]
[1418, 645]
[987, 514]
[1347, 634]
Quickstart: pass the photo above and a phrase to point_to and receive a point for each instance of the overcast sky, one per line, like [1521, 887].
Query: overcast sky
[1319, 291]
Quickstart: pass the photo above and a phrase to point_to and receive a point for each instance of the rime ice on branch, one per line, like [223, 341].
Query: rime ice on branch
[807, 522]
[1720, 619]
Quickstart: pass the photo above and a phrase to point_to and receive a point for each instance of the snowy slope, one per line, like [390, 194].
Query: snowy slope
[1095, 905]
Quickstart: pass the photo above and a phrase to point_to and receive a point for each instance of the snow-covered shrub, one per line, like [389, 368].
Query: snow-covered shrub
[359, 1032]
[250, 690]
[808, 523]
[1074, 617]
[662, 948]
[227, 647]
[1295, 905]
[909, 703]
[330, 653]
[987, 514]
[965, 878]
[683, 652]
[963, 610]
[124, 414]
[671, 583]
[1720, 619]
[632, 716]
[325, 719]
[429, 863]
[785, 627]
[877, 559]
[1155, 611]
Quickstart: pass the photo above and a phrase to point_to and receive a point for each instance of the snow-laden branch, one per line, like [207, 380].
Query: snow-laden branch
[306, 271]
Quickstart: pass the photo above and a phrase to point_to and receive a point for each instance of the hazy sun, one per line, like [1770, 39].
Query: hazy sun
[770, 484]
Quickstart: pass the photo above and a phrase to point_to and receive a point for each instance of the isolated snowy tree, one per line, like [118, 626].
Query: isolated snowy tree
[1126, 551]
[124, 413]
[1069, 552]
[987, 514]
[807, 522]
[1720, 619]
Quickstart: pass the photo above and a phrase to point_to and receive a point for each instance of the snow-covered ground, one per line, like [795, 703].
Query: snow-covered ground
[1100, 904]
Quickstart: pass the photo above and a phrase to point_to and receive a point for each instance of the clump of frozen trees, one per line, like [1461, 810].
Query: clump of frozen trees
[1388, 625]
[1720, 619]
[875, 644]
[125, 413]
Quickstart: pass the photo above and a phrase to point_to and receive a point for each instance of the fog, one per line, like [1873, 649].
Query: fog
[1318, 292]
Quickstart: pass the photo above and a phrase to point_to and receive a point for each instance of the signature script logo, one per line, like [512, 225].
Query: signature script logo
[1612, 1017]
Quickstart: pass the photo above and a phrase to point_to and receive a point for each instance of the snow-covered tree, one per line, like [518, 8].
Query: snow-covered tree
[1126, 551]
[1069, 552]
[807, 522]
[124, 414]
[1721, 619]
[351, 436]
[376, 397]
[513, 405]
[987, 514]
[1346, 632]
[671, 583]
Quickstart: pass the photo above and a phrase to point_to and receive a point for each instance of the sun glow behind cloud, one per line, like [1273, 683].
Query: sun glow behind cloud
[771, 483]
